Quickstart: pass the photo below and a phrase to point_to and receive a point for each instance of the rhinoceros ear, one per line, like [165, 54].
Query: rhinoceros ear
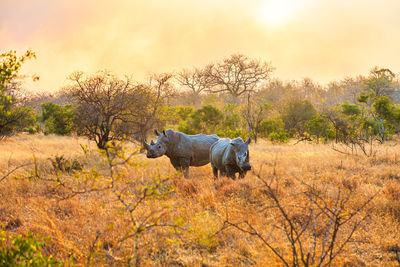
[152, 143]
[156, 132]
[248, 140]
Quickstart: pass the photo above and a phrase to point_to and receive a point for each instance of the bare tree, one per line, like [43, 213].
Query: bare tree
[316, 231]
[110, 108]
[154, 94]
[380, 82]
[277, 91]
[103, 102]
[312, 91]
[196, 81]
[347, 89]
[254, 112]
[237, 75]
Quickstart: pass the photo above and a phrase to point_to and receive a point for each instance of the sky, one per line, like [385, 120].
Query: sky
[324, 40]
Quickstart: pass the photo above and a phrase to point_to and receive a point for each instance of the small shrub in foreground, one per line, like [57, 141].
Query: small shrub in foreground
[18, 250]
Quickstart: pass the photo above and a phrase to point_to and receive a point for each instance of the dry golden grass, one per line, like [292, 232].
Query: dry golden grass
[22, 148]
[94, 223]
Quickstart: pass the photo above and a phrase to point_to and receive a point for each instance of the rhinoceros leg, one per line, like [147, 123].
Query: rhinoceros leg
[185, 163]
[215, 171]
[186, 173]
[181, 165]
[230, 173]
[222, 173]
[185, 170]
[241, 175]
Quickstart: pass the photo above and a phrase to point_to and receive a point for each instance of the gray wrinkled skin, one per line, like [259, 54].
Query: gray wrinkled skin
[182, 150]
[230, 157]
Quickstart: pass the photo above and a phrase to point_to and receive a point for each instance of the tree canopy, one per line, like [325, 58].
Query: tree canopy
[14, 116]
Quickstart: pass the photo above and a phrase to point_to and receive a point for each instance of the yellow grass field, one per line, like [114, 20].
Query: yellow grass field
[197, 222]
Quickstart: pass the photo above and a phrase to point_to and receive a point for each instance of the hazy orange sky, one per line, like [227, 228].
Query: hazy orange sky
[325, 40]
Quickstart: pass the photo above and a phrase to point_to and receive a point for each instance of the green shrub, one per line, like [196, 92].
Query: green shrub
[14, 119]
[270, 125]
[350, 109]
[320, 127]
[60, 163]
[14, 116]
[204, 120]
[297, 113]
[186, 128]
[58, 119]
[229, 133]
[34, 129]
[18, 250]
[232, 117]
[184, 112]
[279, 137]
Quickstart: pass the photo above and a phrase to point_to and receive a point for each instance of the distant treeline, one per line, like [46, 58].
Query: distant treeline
[233, 97]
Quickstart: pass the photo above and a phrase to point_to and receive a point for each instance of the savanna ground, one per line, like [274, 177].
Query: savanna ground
[199, 221]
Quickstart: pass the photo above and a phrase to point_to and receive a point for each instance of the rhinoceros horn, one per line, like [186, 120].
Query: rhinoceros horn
[145, 144]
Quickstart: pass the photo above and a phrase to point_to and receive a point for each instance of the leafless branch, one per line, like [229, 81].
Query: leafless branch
[15, 169]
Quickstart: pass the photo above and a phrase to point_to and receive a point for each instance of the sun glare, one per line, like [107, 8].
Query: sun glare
[278, 12]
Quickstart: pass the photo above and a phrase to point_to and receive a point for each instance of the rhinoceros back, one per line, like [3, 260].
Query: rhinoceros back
[217, 152]
[201, 144]
[195, 147]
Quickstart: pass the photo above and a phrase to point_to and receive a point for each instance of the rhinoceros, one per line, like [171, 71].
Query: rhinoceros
[183, 150]
[229, 157]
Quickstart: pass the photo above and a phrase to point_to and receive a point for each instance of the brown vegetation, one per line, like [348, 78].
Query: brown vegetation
[198, 222]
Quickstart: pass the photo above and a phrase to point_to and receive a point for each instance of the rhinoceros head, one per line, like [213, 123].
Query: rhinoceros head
[157, 149]
[242, 156]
